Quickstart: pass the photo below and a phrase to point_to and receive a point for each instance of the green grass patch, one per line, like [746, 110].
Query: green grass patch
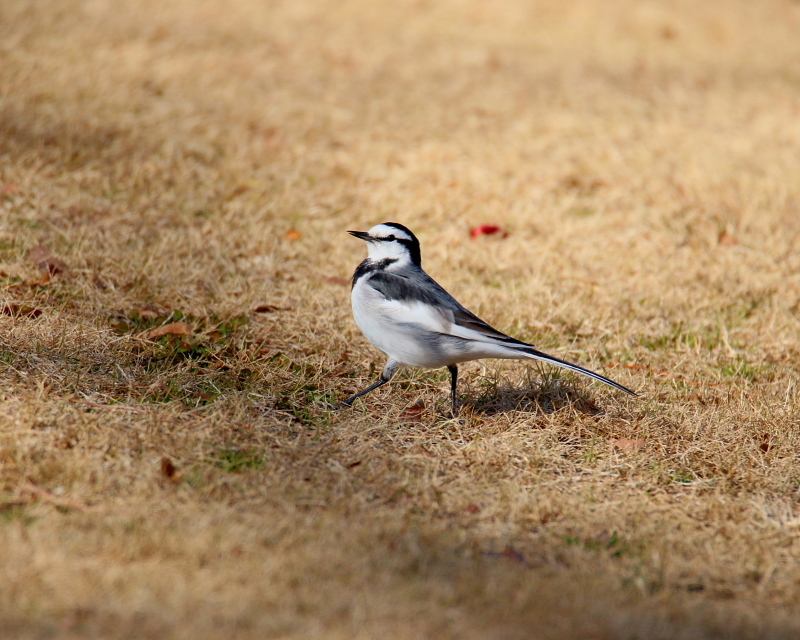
[233, 459]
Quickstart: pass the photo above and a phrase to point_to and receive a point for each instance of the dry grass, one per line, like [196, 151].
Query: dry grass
[643, 156]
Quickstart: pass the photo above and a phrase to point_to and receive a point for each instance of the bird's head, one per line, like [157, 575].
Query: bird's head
[391, 241]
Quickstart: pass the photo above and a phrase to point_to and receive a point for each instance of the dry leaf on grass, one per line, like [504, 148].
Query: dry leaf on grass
[487, 230]
[169, 470]
[10, 189]
[172, 329]
[726, 239]
[628, 445]
[414, 412]
[513, 554]
[40, 281]
[149, 314]
[44, 259]
[293, 234]
[337, 280]
[19, 310]
[269, 308]
[509, 553]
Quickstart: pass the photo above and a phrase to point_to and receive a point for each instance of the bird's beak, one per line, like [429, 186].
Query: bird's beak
[363, 235]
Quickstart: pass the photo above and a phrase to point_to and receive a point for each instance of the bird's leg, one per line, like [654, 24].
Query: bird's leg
[388, 372]
[453, 369]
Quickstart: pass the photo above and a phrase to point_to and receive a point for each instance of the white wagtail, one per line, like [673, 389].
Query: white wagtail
[408, 316]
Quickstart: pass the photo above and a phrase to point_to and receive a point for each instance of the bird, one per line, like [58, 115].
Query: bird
[408, 316]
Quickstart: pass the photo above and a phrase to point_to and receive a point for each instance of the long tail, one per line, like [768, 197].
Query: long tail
[538, 355]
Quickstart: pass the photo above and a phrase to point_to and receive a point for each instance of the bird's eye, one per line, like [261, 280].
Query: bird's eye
[391, 238]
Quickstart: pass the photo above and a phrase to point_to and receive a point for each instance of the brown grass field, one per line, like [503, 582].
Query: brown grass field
[199, 161]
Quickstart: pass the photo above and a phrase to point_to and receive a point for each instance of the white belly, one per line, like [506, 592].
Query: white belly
[417, 334]
[403, 331]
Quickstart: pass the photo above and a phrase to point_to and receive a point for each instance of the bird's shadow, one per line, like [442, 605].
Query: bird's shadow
[547, 396]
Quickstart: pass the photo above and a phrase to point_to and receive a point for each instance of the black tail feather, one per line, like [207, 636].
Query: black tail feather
[538, 355]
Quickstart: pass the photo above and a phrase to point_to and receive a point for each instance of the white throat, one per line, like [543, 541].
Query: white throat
[381, 251]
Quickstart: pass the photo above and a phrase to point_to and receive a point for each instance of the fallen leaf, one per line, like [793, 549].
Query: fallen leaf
[473, 508]
[628, 445]
[269, 308]
[293, 234]
[414, 412]
[149, 314]
[42, 258]
[337, 280]
[172, 329]
[40, 281]
[726, 238]
[10, 189]
[487, 230]
[17, 310]
[512, 554]
[169, 470]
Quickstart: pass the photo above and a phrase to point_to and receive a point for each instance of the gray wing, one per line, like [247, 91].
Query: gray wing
[420, 287]
[465, 325]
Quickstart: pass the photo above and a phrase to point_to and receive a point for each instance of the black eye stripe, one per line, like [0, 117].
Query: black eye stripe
[395, 239]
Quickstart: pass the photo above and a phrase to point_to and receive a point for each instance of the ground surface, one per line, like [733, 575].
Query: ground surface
[199, 162]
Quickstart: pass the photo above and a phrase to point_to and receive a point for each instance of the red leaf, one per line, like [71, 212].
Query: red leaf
[269, 308]
[486, 230]
[337, 280]
[414, 412]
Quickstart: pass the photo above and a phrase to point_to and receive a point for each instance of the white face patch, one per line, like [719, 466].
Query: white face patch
[386, 248]
[385, 231]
